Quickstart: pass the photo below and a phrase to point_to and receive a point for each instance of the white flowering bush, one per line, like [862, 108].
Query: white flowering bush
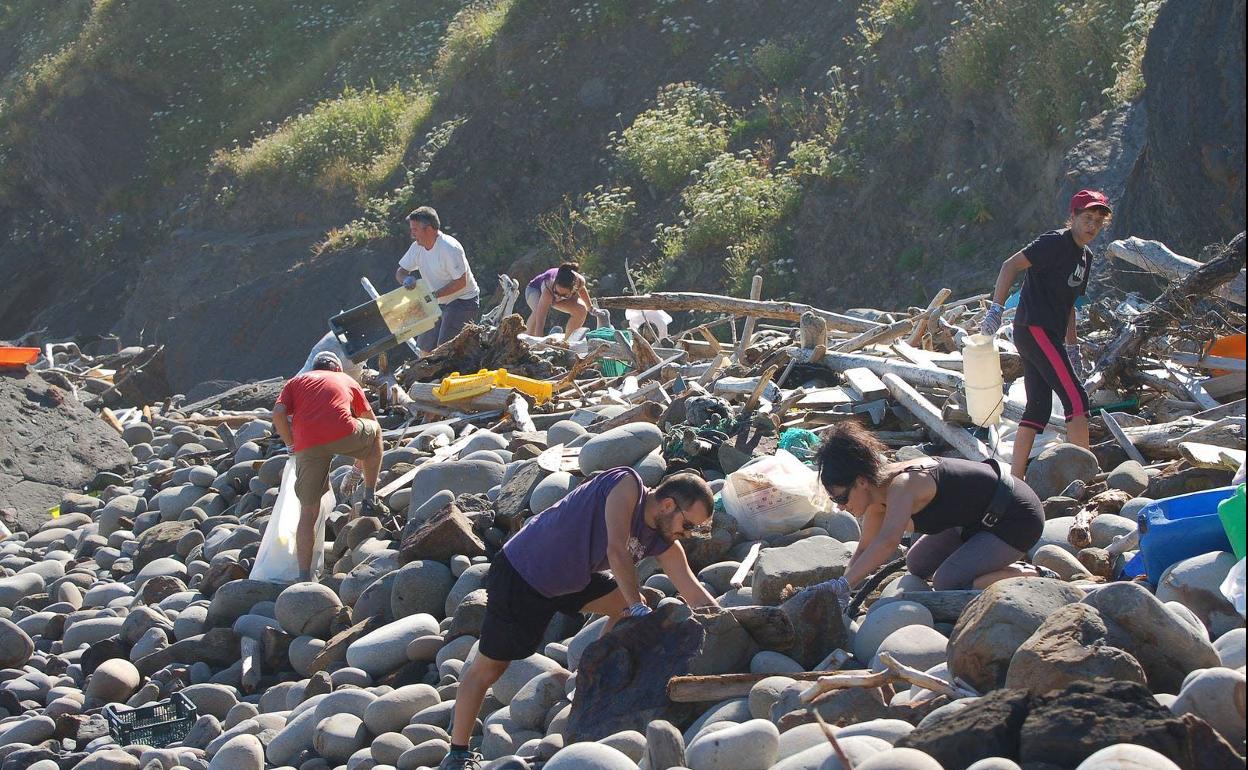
[607, 213]
[733, 196]
[684, 130]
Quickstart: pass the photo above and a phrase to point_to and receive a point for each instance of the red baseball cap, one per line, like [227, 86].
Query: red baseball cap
[1086, 199]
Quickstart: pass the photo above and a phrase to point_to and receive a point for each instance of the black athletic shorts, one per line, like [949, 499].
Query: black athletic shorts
[516, 615]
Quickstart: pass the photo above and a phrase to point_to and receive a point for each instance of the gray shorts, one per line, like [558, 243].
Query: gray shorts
[532, 295]
[952, 564]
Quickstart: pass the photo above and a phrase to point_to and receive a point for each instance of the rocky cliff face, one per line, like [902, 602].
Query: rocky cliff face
[1187, 188]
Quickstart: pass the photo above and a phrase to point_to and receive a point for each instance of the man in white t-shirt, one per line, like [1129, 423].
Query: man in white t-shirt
[440, 260]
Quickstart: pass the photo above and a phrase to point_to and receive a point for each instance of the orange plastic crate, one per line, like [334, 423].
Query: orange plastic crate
[18, 356]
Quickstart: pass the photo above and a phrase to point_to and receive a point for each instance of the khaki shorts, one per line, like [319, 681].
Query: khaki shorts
[312, 464]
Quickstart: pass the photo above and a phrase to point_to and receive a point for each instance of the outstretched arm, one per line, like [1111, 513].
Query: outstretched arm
[907, 493]
[676, 566]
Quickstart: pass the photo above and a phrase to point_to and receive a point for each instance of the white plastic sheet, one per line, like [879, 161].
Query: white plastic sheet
[774, 495]
[277, 560]
[1233, 587]
[660, 319]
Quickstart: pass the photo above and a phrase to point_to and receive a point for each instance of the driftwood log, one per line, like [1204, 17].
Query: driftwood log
[967, 445]
[1161, 442]
[922, 376]
[718, 687]
[1117, 363]
[480, 347]
[1157, 258]
[715, 303]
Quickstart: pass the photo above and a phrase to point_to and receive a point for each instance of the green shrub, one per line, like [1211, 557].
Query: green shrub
[1129, 83]
[1054, 59]
[751, 125]
[356, 139]
[680, 134]
[734, 196]
[607, 213]
[911, 258]
[883, 14]
[762, 253]
[778, 62]
[469, 34]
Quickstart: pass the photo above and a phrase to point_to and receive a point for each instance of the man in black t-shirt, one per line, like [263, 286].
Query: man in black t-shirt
[1058, 264]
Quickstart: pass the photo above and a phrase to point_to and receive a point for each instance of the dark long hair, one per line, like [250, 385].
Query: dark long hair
[850, 451]
[568, 275]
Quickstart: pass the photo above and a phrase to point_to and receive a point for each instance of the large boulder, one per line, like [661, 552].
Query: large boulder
[620, 446]
[459, 476]
[385, 649]
[1196, 584]
[803, 563]
[997, 622]
[621, 679]
[1216, 695]
[1166, 646]
[1057, 466]
[1066, 726]
[75, 445]
[1070, 646]
[421, 586]
[1187, 185]
[447, 533]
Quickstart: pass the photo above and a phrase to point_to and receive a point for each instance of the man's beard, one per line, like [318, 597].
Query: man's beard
[666, 525]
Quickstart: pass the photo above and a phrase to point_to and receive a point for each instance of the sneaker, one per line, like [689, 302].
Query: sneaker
[374, 507]
[461, 760]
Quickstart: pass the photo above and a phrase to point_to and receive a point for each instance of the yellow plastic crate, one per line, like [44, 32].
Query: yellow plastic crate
[458, 386]
[538, 389]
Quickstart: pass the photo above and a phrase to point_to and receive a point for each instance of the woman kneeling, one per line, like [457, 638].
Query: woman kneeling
[972, 531]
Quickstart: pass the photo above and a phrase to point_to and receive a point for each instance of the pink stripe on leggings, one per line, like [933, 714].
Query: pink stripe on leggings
[1061, 368]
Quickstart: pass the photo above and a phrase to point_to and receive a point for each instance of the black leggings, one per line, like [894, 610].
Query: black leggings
[1047, 370]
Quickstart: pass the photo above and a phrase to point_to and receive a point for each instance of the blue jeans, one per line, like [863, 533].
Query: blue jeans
[456, 314]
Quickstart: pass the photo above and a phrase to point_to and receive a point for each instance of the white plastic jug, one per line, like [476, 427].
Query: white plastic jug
[981, 366]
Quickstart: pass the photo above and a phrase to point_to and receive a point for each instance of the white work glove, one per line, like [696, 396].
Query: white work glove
[409, 282]
[351, 480]
[839, 586]
[992, 320]
[638, 610]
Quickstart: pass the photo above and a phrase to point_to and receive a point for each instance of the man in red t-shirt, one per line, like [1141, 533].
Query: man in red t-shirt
[320, 414]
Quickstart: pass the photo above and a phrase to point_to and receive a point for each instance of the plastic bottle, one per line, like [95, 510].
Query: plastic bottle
[985, 392]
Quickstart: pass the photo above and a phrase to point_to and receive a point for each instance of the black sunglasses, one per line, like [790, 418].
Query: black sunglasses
[843, 498]
[694, 530]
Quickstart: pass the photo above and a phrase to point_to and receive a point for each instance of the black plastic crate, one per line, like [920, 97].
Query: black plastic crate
[156, 724]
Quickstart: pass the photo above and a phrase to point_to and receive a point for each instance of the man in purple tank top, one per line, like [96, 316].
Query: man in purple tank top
[558, 562]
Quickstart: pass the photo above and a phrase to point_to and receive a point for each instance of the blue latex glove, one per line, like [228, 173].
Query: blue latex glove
[992, 320]
[409, 282]
[638, 610]
[839, 586]
[1076, 358]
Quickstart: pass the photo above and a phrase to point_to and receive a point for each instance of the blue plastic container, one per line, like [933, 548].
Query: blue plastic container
[1177, 528]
